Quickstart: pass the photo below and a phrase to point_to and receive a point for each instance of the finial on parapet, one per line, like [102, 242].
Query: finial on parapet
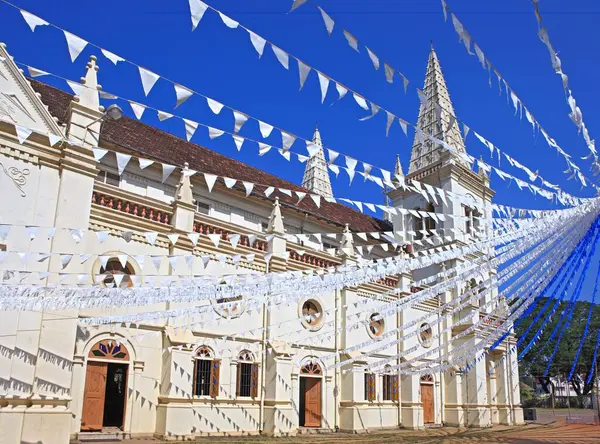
[276, 220]
[89, 96]
[184, 189]
[347, 247]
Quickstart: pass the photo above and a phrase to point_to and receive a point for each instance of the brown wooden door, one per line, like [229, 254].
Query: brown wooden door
[312, 402]
[427, 401]
[93, 398]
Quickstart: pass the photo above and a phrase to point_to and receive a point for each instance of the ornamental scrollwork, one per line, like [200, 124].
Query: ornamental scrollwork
[18, 177]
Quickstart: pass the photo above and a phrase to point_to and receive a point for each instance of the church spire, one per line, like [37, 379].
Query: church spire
[436, 118]
[316, 176]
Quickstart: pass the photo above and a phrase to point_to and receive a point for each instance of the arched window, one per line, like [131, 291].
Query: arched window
[390, 385]
[427, 379]
[376, 325]
[430, 223]
[311, 368]
[247, 375]
[117, 274]
[312, 314]
[109, 349]
[206, 373]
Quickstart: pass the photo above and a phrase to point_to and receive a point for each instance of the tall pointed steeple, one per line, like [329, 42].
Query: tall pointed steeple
[436, 118]
[316, 176]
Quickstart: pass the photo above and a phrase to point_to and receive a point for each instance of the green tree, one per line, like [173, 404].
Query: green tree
[535, 362]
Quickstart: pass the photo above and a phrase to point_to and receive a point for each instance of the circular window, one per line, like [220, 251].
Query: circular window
[116, 272]
[426, 335]
[376, 325]
[232, 307]
[311, 314]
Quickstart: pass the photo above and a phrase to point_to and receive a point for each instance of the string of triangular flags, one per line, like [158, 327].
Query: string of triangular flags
[573, 170]
[149, 79]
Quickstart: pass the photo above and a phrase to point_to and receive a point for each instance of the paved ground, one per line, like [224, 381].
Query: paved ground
[558, 432]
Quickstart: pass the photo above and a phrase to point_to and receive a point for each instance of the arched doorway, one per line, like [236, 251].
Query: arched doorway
[311, 376]
[105, 392]
[427, 399]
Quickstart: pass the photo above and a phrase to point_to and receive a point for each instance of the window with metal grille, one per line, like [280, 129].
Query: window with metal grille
[245, 370]
[202, 382]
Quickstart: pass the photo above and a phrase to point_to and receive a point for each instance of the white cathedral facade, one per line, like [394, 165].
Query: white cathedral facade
[178, 378]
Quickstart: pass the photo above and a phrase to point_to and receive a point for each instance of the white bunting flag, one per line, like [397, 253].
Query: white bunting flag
[333, 155]
[329, 23]
[173, 238]
[162, 116]
[269, 191]
[54, 139]
[303, 70]
[76, 45]
[361, 102]
[75, 87]
[389, 73]
[213, 133]
[342, 91]
[258, 42]
[166, 171]
[228, 21]
[265, 129]
[316, 199]
[148, 79]
[351, 163]
[390, 120]
[22, 133]
[374, 110]
[112, 57]
[324, 84]
[182, 93]
[234, 239]
[193, 237]
[145, 163]
[138, 109]
[229, 182]
[122, 161]
[240, 119]
[190, 128]
[249, 186]
[285, 154]
[282, 56]
[287, 140]
[210, 181]
[197, 10]
[239, 141]
[33, 20]
[312, 148]
[404, 126]
[151, 237]
[102, 236]
[373, 58]
[352, 41]
[302, 158]
[297, 4]
[215, 239]
[214, 106]
[263, 148]
[34, 72]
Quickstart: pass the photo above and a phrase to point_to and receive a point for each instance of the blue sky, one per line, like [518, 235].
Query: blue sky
[221, 63]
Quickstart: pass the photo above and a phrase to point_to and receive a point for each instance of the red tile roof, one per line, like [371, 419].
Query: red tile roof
[157, 144]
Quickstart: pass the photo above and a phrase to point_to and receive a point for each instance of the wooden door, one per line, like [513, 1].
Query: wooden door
[312, 402]
[427, 401]
[93, 398]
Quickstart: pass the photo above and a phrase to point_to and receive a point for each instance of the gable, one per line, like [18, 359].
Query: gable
[18, 102]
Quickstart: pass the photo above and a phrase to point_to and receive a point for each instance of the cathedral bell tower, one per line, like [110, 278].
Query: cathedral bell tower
[429, 220]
